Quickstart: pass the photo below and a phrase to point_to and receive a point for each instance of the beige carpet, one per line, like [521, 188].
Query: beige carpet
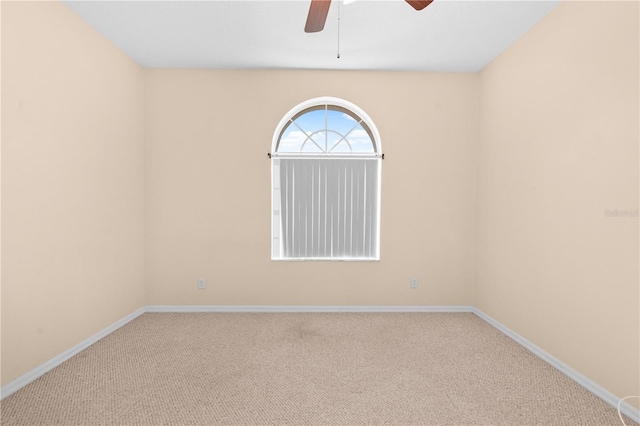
[306, 369]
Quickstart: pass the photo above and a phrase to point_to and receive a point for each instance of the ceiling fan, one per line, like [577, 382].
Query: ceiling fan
[320, 8]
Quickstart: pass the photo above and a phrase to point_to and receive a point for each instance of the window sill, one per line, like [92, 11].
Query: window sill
[325, 259]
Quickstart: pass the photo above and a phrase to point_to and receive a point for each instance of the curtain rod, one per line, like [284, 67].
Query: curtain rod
[270, 156]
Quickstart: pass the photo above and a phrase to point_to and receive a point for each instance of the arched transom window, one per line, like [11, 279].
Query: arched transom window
[326, 129]
[326, 165]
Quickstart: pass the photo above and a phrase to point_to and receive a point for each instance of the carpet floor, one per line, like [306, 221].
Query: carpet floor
[305, 369]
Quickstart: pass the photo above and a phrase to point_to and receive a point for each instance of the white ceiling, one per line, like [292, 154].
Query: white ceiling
[447, 36]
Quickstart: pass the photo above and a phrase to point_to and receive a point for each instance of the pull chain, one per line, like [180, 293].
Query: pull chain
[339, 28]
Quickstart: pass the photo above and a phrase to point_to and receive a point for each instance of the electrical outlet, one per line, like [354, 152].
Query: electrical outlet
[202, 283]
[414, 282]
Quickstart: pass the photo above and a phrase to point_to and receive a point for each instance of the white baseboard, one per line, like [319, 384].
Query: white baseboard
[304, 308]
[40, 370]
[625, 408]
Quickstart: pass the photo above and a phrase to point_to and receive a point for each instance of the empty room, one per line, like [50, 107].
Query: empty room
[317, 212]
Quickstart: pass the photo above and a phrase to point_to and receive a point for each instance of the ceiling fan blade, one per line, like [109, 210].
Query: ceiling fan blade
[419, 4]
[318, 12]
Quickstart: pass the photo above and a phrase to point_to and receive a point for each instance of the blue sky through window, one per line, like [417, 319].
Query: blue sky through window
[325, 130]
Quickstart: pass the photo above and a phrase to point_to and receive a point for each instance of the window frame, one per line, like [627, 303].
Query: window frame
[363, 118]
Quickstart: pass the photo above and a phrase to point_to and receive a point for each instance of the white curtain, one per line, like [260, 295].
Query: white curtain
[326, 208]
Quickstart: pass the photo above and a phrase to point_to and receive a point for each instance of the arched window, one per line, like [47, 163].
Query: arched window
[325, 179]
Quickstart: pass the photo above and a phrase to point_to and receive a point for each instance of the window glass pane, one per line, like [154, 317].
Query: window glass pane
[315, 143]
[340, 121]
[341, 148]
[312, 120]
[292, 139]
[333, 139]
[360, 140]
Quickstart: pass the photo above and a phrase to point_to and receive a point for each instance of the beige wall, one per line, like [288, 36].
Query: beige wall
[72, 184]
[559, 146]
[208, 188]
